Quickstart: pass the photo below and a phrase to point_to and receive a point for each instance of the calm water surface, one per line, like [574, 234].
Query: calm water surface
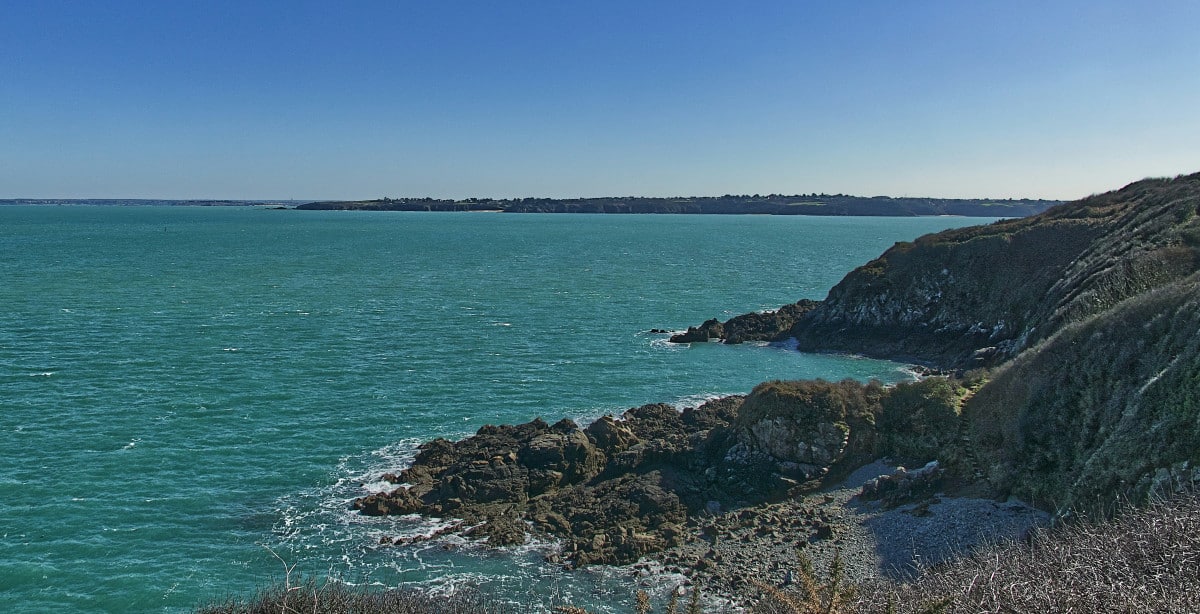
[187, 392]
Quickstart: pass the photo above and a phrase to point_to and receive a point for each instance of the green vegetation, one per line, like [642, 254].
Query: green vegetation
[1109, 406]
[918, 422]
[832, 595]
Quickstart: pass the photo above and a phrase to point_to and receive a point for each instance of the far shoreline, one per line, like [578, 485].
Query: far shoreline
[821, 205]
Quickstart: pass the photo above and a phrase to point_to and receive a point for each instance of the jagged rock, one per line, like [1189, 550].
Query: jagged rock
[804, 427]
[610, 435]
[758, 326]
[903, 485]
[500, 531]
[614, 491]
[710, 329]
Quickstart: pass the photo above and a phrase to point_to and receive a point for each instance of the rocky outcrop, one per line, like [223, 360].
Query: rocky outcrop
[807, 427]
[758, 326]
[622, 488]
[612, 492]
[903, 485]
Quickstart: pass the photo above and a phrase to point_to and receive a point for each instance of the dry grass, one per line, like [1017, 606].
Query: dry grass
[1144, 560]
[834, 595]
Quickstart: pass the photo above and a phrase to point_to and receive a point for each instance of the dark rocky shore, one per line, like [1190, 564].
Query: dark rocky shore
[1065, 372]
[624, 488]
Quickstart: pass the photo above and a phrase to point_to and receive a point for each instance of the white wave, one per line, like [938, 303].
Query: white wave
[665, 344]
[380, 486]
[318, 526]
[42, 374]
[696, 400]
[791, 344]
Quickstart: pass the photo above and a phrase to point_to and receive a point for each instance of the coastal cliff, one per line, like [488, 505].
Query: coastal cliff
[1087, 316]
[978, 296]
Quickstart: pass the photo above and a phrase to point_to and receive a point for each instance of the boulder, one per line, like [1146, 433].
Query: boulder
[903, 486]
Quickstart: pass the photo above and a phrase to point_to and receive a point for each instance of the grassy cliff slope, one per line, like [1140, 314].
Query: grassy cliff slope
[1110, 405]
[979, 296]
[1089, 314]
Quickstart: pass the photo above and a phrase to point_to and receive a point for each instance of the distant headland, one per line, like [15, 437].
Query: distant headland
[772, 204]
[148, 202]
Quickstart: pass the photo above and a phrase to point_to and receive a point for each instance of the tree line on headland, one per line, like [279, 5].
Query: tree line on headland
[772, 204]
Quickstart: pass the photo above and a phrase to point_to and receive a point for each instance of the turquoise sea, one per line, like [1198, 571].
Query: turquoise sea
[187, 393]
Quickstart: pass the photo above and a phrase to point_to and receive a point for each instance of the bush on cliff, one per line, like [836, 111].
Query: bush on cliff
[919, 421]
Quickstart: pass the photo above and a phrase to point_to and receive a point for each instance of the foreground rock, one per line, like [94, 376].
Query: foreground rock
[612, 492]
[623, 488]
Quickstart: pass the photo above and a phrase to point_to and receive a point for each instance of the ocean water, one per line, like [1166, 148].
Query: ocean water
[190, 397]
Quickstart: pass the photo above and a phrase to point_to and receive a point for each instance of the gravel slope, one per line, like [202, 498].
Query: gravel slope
[729, 549]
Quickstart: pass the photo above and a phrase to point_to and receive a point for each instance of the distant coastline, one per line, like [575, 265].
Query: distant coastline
[774, 204]
[149, 202]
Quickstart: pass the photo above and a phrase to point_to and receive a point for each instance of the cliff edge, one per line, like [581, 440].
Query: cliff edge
[1085, 317]
[978, 296]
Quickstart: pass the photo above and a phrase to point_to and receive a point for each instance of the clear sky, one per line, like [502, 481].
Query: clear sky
[562, 98]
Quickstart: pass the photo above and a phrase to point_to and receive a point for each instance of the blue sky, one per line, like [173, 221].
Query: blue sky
[305, 100]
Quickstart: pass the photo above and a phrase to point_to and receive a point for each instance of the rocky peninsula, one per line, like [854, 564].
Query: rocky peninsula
[1067, 373]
